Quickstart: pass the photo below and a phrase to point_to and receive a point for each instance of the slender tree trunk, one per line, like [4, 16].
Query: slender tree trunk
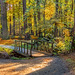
[72, 7]
[73, 41]
[56, 30]
[10, 17]
[35, 21]
[38, 11]
[44, 16]
[30, 21]
[19, 17]
[4, 19]
[13, 21]
[24, 18]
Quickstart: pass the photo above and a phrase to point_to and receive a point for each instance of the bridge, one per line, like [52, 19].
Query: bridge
[28, 48]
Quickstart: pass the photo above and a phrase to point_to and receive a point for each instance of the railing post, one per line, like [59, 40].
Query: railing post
[21, 46]
[37, 45]
[34, 44]
[31, 50]
[52, 46]
[15, 45]
[24, 47]
[27, 48]
[48, 46]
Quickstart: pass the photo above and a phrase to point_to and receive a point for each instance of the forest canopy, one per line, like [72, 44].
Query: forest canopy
[53, 19]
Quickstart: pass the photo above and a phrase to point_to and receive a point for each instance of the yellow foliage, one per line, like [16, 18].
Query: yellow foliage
[0, 39]
[34, 37]
[59, 24]
[66, 32]
[16, 37]
[49, 10]
[67, 38]
[7, 50]
[60, 44]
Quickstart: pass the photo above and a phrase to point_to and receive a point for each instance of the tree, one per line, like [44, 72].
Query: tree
[24, 10]
[4, 19]
[56, 30]
[73, 41]
[35, 19]
[13, 21]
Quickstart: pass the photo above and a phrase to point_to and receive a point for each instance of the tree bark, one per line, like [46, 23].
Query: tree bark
[4, 19]
[13, 21]
[38, 10]
[44, 16]
[73, 41]
[56, 30]
[24, 10]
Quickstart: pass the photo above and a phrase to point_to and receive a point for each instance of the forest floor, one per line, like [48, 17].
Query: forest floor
[6, 42]
[62, 65]
[70, 60]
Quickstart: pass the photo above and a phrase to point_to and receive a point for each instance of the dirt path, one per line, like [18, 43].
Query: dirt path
[36, 66]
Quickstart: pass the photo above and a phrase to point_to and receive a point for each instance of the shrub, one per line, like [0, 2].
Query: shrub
[7, 50]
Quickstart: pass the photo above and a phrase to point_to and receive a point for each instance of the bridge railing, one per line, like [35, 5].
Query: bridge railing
[23, 47]
[42, 45]
[27, 47]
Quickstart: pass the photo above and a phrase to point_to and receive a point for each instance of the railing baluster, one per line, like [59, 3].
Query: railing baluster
[52, 46]
[31, 50]
[24, 47]
[21, 46]
[34, 44]
[15, 45]
[48, 46]
[37, 45]
[27, 48]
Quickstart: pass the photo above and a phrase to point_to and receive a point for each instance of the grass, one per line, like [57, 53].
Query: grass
[17, 58]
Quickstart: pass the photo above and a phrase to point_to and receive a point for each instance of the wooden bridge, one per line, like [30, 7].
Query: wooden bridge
[27, 48]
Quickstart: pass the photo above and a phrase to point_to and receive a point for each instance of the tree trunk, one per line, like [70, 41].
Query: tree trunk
[73, 41]
[24, 17]
[13, 21]
[4, 19]
[35, 21]
[44, 16]
[19, 17]
[38, 11]
[56, 30]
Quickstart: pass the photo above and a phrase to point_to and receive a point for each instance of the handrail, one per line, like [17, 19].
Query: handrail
[25, 50]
